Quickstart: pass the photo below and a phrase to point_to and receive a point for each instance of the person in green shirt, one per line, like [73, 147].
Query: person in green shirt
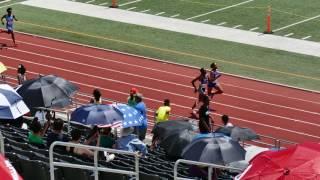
[106, 138]
[36, 133]
[132, 97]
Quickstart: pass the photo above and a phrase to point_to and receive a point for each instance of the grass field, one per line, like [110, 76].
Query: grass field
[246, 14]
[265, 64]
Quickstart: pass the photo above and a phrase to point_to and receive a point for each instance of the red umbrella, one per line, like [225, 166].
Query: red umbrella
[298, 162]
[7, 171]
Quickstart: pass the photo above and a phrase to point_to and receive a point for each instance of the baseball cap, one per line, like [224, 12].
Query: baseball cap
[134, 91]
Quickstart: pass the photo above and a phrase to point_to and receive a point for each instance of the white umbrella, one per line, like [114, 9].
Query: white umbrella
[11, 103]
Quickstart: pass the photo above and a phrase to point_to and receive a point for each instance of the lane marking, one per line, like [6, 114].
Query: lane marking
[176, 15]
[90, 1]
[131, 2]
[307, 37]
[253, 29]
[296, 23]
[204, 21]
[131, 8]
[160, 13]
[218, 10]
[1, 2]
[145, 10]
[237, 26]
[105, 3]
[222, 23]
[290, 34]
[8, 5]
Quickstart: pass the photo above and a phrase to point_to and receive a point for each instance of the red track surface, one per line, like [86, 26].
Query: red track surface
[269, 109]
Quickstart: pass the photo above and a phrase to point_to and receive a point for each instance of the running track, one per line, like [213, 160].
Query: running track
[273, 110]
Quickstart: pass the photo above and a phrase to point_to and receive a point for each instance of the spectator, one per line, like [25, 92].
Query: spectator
[204, 111]
[106, 138]
[21, 74]
[76, 137]
[36, 134]
[56, 133]
[130, 142]
[163, 112]
[204, 130]
[225, 121]
[96, 97]
[132, 97]
[141, 107]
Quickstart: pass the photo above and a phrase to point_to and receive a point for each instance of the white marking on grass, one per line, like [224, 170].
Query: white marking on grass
[88, 2]
[105, 3]
[4, 1]
[307, 37]
[8, 5]
[143, 11]
[160, 13]
[205, 21]
[296, 23]
[237, 26]
[218, 10]
[176, 15]
[290, 34]
[131, 2]
[222, 23]
[253, 29]
[131, 8]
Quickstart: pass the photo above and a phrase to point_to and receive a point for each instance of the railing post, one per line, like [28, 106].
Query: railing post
[69, 123]
[96, 173]
[137, 165]
[175, 170]
[51, 160]
[209, 173]
[1, 143]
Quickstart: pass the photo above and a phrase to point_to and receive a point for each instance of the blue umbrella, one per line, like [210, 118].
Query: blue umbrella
[130, 116]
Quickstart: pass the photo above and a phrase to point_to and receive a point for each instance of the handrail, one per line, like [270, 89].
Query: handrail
[1, 143]
[94, 168]
[209, 165]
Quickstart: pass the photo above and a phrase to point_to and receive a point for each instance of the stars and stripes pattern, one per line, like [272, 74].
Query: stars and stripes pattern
[131, 117]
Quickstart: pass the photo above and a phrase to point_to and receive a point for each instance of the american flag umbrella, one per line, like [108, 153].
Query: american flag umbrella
[7, 171]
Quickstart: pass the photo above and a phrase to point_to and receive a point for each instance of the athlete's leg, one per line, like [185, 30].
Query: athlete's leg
[218, 88]
[13, 38]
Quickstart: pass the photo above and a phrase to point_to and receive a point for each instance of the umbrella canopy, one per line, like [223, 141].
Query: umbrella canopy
[164, 129]
[176, 142]
[11, 103]
[2, 67]
[217, 150]
[47, 91]
[7, 171]
[296, 162]
[107, 115]
[238, 133]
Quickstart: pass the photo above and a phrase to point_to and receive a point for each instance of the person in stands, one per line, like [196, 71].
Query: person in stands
[75, 138]
[106, 138]
[96, 97]
[130, 142]
[56, 133]
[163, 112]
[21, 74]
[225, 121]
[142, 108]
[132, 97]
[37, 132]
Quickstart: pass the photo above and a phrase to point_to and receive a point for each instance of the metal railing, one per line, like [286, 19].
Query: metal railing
[95, 168]
[1, 143]
[209, 165]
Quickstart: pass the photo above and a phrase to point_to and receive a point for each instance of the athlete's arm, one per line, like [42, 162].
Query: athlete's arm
[14, 17]
[4, 16]
[193, 81]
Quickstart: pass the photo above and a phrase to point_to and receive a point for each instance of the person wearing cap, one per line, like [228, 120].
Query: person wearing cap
[129, 142]
[163, 112]
[132, 97]
[142, 108]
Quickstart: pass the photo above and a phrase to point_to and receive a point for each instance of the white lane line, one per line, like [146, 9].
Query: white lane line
[160, 13]
[131, 2]
[237, 26]
[253, 29]
[157, 70]
[90, 1]
[290, 34]
[222, 23]
[176, 15]
[105, 3]
[307, 37]
[4, 1]
[149, 88]
[296, 23]
[131, 8]
[218, 10]
[204, 21]
[143, 11]
[185, 107]
[8, 5]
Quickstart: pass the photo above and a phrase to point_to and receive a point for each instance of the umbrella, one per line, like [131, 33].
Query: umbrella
[47, 91]
[217, 150]
[176, 142]
[238, 133]
[164, 129]
[296, 162]
[11, 103]
[7, 171]
[107, 115]
[2, 67]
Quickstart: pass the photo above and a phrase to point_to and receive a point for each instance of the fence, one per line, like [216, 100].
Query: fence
[1, 143]
[209, 165]
[94, 168]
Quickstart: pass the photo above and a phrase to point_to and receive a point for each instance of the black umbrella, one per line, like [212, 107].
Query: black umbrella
[164, 129]
[176, 142]
[47, 91]
[243, 134]
[224, 130]
[218, 150]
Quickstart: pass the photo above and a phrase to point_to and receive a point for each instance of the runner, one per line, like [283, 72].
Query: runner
[213, 81]
[9, 17]
[203, 83]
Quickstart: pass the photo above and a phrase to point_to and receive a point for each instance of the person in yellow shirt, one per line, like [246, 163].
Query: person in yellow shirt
[163, 112]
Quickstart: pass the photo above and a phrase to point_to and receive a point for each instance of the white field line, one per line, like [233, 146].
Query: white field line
[237, 26]
[222, 23]
[102, 4]
[176, 15]
[296, 23]
[131, 2]
[307, 37]
[131, 8]
[185, 107]
[218, 10]
[145, 10]
[160, 13]
[8, 5]
[204, 21]
[157, 70]
[152, 89]
[4, 1]
[253, 29]
[90, 1]
[290, 34]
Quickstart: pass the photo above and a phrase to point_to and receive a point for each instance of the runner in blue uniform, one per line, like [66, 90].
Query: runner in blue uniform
[9, 17]
[213, 81]
[203, 83]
